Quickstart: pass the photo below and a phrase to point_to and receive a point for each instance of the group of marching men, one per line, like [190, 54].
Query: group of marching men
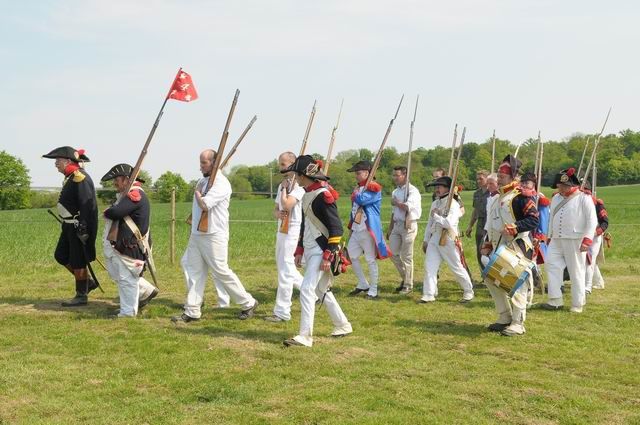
[565, 234]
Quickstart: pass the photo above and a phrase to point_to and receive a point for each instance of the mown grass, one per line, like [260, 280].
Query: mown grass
[405, 362]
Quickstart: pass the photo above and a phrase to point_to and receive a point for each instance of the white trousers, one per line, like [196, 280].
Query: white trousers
[434, 256]
[594, 249]
[288, 275]
[563, 253]
[314, 286]
[401, 242]
[204, 252]
[361, 242]
[131, 287]
[511, 310]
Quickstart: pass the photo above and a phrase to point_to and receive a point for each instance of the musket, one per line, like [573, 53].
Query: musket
[407, 185]
[284, 223]
[584, 151]
[538, 170]
[453, 149]
[535, 167]
[203, 224]
[445, 232]
[493, 151]
[327, 160]
[595, 149]
[235, 146]
[358, 216]
[515, 155]
[230, 154]
[113, 231]
[60, 221]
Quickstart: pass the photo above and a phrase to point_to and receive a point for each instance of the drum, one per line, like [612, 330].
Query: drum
[507, 269]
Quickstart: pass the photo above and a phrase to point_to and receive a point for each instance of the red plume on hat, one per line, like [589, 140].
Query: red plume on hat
[571, 171]
[320, 163]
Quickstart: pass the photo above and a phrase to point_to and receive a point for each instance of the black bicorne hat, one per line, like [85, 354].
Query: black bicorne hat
[529, 177]
[119, 170]
[307, 166]
[513, 163]
[567, 177]
[441, 181]
[361, 165]
[69, 153]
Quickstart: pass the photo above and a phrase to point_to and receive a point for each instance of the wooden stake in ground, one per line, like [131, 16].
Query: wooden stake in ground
[172, 228]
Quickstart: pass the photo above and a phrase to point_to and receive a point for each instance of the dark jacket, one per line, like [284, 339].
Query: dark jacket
[136, 205]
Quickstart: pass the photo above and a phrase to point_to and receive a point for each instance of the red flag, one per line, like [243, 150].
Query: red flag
[182, 88]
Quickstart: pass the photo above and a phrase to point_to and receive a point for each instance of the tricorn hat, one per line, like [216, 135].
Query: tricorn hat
[307, 166]
[119, 170]
[510, 165]
[441, 181]
[567, 177]
[361, 165]
[69, 153]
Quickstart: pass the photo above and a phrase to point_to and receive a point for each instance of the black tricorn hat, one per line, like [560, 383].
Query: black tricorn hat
[307, 166]
[441, 181]
[361, 165]
[119, 170]
[513, 163]
[69, 153]
[567, 177]
[529, 177]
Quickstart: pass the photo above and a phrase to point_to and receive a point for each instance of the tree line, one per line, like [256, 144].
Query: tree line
[618, 163]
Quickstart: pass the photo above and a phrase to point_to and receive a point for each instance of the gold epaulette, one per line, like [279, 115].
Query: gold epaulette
[78, 176]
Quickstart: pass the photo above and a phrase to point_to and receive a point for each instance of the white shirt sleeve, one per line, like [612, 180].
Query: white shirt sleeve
[220, 191]
[414, 202]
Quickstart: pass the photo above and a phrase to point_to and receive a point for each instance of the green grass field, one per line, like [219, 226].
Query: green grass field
[404, 363]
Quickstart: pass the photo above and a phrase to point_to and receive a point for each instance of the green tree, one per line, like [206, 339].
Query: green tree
[241, 186]
[166, 182]
[14, 183]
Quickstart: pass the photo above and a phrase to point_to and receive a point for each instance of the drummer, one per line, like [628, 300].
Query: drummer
[511, 216]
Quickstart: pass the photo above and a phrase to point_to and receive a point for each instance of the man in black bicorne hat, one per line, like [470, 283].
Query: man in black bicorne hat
[77, 208]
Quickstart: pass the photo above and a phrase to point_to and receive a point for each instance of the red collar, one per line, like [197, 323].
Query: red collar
[362, 183]
[508, 187]
[573, 190]
[70, 168]
[315, 185]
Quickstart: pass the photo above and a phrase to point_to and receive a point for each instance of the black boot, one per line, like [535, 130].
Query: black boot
[81, 295]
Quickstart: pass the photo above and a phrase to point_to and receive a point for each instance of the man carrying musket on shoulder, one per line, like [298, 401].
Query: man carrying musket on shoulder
[127, 255]
[319, 242]
[78, 210]
[366, 237]
[288, 203]
[511, 216]
[571, 231]
[440, 221]
[209, 249]
[403, 227]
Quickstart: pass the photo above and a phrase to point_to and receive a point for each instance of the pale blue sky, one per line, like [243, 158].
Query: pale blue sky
[93, 74]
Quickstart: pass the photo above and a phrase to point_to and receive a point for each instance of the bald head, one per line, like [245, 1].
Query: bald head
[206, 161]
[285, 160]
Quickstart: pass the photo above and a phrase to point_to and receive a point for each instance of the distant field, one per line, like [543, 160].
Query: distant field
[405, 362]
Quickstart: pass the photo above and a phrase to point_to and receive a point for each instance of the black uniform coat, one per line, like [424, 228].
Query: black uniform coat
[136, 205]
[78, 196]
